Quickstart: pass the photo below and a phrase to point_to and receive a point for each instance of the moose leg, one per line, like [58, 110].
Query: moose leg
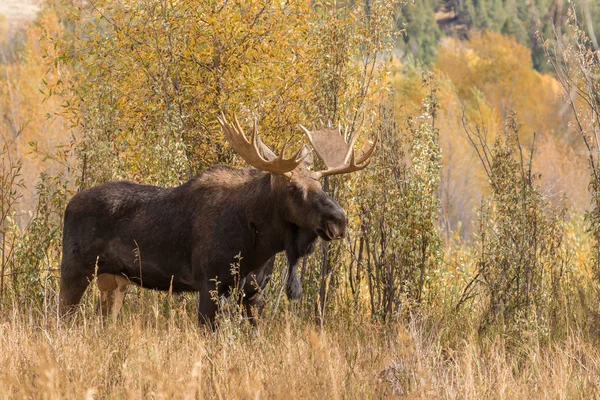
[73, 283]
[112, 292]
[119, 295]
[255, 284]
[106, 285]
[254, 306]
[252, 299]
[206, 306]
[293, 284]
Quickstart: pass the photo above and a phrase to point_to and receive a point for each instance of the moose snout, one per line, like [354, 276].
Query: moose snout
[335, 230]
[335, 227]
[332, 222]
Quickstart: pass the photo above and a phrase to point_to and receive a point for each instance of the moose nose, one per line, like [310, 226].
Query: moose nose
[336, 229]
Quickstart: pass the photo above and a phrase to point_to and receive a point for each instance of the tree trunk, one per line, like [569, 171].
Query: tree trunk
[585, 5]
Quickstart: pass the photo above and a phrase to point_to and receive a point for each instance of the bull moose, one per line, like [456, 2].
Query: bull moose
[185, 238]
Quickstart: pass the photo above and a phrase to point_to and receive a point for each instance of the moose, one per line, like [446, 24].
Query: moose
[186, 238]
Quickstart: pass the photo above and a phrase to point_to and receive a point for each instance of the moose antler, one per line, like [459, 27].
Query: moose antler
[338, 155]
[249, 149]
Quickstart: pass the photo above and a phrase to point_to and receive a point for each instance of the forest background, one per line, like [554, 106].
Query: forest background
[471, 269]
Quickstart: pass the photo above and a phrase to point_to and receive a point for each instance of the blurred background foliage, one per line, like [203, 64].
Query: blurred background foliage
[472, 210]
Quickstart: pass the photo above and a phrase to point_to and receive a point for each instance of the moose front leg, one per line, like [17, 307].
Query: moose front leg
[206, 306]
[253, 286]
[293, 288]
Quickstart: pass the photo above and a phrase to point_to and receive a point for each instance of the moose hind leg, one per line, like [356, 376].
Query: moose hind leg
[112, 292]
[106, 285]
[254, 306]
[119, 295]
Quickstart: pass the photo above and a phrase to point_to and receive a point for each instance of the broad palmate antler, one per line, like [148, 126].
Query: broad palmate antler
[249, 149]
[337, 154]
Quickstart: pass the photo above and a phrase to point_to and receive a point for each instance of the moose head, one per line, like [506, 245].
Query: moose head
[302, 199]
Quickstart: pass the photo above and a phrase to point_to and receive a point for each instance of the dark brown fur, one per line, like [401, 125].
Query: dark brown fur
[183, 238]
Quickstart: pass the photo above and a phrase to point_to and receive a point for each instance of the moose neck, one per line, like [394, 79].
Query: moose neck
[257, 197]
[261, 206]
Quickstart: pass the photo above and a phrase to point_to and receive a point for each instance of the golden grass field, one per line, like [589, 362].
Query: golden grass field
[157, 350]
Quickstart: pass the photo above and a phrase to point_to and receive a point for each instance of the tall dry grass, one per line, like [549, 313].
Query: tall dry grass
[157, 350]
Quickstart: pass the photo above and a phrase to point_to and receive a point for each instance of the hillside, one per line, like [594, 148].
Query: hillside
[426, 21]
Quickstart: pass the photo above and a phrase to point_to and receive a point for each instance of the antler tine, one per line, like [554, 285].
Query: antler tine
[227, 128]
[298, 156]
[282, 151]
[249, 149]
[253, 137]
[308, 134]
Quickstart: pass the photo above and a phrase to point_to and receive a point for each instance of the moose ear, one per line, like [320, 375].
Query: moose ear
[307, 162]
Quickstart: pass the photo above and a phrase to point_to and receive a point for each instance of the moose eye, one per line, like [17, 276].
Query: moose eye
[294, 189]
